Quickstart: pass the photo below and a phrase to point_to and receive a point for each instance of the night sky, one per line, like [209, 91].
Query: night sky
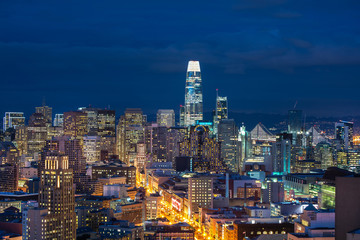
[263, 54]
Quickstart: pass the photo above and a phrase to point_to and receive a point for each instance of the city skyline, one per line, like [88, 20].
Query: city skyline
[258, 53]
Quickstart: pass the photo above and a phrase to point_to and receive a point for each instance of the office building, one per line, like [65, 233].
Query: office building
[174, 136]
[46, 112]
[13, 120]
[121, 229]
[130, 132]
[73, 149]
[324, 154]
[9, 154]
[221, 111]
[91, 148]
[106, 123]
[75, 124]
[344, 134]
[100, 122]
[155, 140]
[114, 169]
[9, 177]
[36, 133]
[182, 116]
[281, 152]
[228, 135]
[59, 120]
[294, 121]
[193, 94]
[55, 218]
[273, 192]
[165, 118]
[203, 149]
[200, 193]
[153, 207]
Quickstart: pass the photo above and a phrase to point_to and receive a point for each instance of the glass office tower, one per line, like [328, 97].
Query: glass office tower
[193, 94]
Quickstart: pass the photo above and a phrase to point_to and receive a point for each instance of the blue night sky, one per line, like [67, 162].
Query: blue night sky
[263, 54]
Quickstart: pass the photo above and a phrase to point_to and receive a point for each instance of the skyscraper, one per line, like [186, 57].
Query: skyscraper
[57, 196]
[193, 94]
[165, 117]
[182, 116]
[228, 135]
[200, 191]
[130, 131]
[281, 155]
[344, 134]
[46, 112]
[221, 111]
[294, 121]
[58, 120]
[75, 124]
[203, 149]
[13, 119]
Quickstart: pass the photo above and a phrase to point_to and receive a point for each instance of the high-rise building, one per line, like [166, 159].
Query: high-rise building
[324, 154]
[99, 121]
[91, 148]
[203, 149]
[130, 131]
[59, 120]
[73, 149]
[57, 196]
[273, 192]
[106, 122]
[344, 135]
[200, 192]
[174, 136]
[46, 112]
[221, 111]
[13, 119]
[75, 124]
[182, 116]
[228, 135]
[165, 117]
[155, 140]
[294, 121]
[282, 155]
[245, 145]
[193, 94]
[8, 177]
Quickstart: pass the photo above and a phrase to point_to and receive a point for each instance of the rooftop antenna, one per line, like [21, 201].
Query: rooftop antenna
[295, 104]
[43, 101]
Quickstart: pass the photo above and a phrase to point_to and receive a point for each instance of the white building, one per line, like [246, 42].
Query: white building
[91, 148]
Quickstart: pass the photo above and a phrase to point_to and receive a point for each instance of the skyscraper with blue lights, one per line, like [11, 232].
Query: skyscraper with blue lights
[193, 94]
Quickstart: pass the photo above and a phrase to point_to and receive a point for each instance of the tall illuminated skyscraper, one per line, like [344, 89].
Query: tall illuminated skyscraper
[55, 218]
[221, 111]
[193, 94]
[130, 132]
